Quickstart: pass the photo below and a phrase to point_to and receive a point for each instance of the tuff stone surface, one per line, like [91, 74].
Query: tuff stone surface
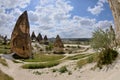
[33, 36]
[20, 38]
[58, 44]
[46, 40]
[115, 7]
[39, 38]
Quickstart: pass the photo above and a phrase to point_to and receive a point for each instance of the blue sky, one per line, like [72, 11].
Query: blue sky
[68, 18]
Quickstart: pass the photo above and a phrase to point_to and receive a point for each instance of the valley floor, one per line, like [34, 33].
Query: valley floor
[87, 72]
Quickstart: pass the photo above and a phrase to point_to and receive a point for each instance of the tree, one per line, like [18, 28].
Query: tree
[102, 41]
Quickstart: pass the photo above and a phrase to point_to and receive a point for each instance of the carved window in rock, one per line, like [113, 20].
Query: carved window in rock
[23, 48]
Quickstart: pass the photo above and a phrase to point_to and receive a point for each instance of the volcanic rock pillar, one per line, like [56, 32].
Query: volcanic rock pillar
[115, 7]
[20, 38]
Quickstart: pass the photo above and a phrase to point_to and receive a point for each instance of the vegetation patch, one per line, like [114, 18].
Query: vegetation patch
[4, 49]
[107, 57]
[105, 43]
[45, 58]
[3, 62]
[89, 59]
[41, 65]
[79, 56]
[63, 69]
[4, 76]
[54, 70]
[37, 73]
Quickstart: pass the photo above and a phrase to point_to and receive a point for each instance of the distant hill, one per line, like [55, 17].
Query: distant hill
[72, 40]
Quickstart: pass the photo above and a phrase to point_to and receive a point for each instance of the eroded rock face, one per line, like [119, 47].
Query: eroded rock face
[115, 7]
[33, 36]
[20, 38]
[58, 45]
[46, 40]
[39, 38]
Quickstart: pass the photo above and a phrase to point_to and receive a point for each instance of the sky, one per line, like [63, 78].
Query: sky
[68, 18]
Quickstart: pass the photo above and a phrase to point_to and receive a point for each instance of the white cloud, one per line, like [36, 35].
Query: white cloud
[104, 24]
[8, 4]
[9, 12]
[97, 9]
[50, 17]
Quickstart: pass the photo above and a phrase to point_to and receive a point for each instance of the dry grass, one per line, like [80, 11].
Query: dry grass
[45, 58]
[90, 59]
[40, 65]
[4, 76]
[3, 62]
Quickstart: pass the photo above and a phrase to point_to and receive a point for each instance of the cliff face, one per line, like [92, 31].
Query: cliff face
[115, 7]
[20, 38]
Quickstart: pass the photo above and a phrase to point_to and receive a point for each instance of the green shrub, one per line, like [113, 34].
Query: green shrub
[63, 69]
[107, 57]
[37, 73]
[92, 58]
[54, 70]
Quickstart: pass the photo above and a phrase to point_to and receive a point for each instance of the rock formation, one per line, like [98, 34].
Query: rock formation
[39, 38]
[46, 40]
[58, 45]
[33, 36]
[115, 7]
[20, 38]
[5, 40]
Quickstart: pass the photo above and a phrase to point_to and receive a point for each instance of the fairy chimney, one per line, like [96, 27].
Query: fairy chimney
[20, 38]
[46, 40]
[115, 7]
[39, 38]
[58, 45]
[33, 36]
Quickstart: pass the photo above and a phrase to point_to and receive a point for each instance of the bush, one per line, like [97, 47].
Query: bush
[37, 73]
[63, 69]
[107, 57]
[54, 70]
[104, 42]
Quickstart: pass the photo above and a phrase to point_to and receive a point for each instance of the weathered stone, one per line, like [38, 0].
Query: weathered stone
[46, 40]
[115, 7]
[58, 45]
[33, 36]
[39, 38]
[5, 40]
[20, 38]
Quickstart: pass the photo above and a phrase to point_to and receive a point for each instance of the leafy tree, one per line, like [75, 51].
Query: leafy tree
[103, 42]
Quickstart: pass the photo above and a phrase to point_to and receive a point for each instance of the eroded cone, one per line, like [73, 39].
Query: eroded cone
[20, 38]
